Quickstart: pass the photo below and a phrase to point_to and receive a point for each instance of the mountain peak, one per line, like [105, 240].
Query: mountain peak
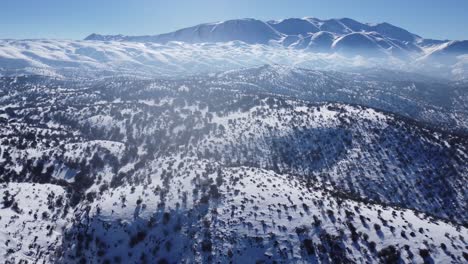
[93, 36]
[99, 37]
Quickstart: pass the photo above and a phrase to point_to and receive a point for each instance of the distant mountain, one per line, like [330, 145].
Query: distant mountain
[250, 31]
[343, 35]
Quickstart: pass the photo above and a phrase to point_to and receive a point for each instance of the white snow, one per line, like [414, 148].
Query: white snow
[95, 58]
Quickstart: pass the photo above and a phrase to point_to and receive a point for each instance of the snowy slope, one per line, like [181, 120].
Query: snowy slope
[128, 170]
[255, 215]
[32, 219]
[87, 59]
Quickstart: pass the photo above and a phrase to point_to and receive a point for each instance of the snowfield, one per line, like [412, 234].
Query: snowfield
[32, 226]
[70, 58]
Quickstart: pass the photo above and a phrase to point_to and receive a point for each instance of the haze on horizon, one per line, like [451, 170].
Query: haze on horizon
[21, 19]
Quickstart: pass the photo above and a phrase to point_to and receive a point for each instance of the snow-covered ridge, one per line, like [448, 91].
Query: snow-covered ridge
[205, 169]
[174, 58]
[99, 58]
[188, 173]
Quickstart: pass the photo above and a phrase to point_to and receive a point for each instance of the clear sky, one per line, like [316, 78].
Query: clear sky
[75, 19]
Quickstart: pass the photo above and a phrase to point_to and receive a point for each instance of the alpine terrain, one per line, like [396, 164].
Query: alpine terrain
[243, 141]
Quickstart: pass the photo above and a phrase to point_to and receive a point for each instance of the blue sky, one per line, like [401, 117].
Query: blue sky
[75, 19]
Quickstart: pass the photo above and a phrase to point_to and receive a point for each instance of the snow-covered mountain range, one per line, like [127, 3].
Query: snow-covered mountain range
[335, 44]
[332, 35]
